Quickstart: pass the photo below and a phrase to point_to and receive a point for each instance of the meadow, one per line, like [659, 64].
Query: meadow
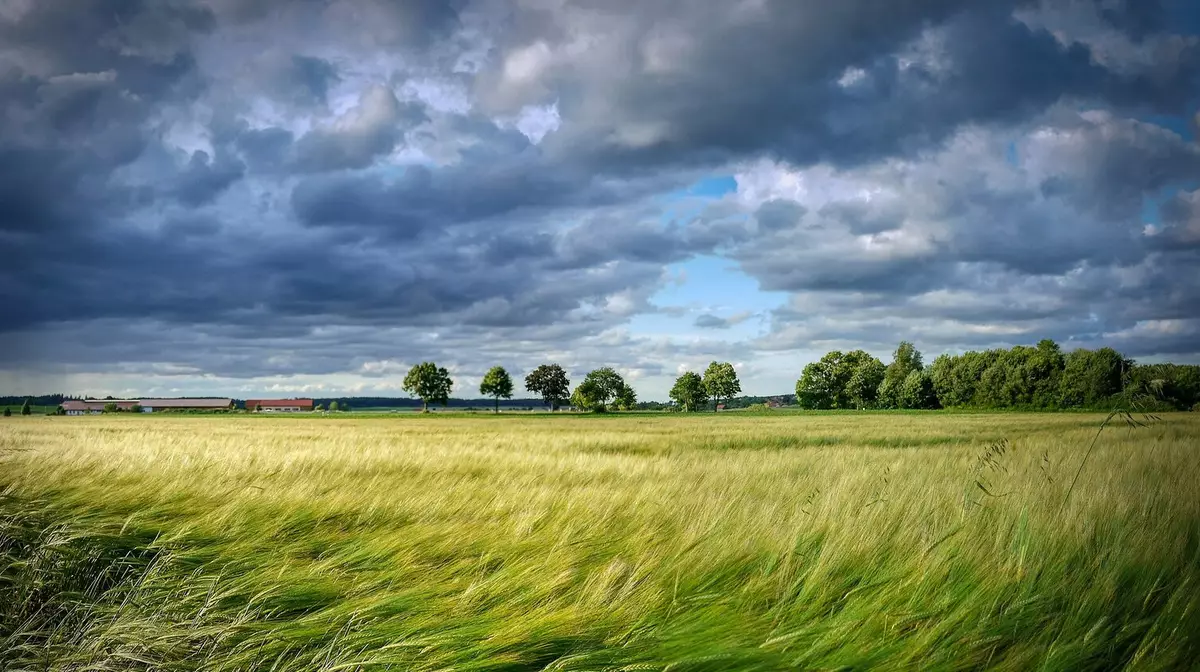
[773, 541]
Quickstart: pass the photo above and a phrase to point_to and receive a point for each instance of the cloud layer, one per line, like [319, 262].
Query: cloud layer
[242, 196]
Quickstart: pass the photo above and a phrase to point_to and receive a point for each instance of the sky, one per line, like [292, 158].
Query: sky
[307, 197]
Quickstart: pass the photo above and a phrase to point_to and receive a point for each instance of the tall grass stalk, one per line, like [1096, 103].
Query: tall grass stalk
[732, 542]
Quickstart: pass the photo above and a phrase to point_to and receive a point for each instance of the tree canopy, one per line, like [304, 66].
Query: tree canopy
[551, 383]
[1021, 377]
[430, 383]
[721, 382]
[600, 388]
[497, 383]
[689, 392]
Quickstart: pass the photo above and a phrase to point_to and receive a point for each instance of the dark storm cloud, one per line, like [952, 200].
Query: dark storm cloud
[340, 179]
[913, 74]
[205, 178]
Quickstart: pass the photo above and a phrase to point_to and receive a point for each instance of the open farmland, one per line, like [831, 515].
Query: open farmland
[707, 542]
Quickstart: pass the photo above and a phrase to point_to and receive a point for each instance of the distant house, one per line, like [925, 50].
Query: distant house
[279, 405]
[152, 405]
[720, 407]
[90, 406]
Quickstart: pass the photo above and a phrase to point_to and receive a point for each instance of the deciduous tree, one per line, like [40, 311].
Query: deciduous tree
[626, 398]
[721, 382]
[690, 392]
[497, 383]
[429, 382]
[551, 383]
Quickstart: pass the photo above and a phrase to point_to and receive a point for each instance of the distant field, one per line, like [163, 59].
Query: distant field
[36, 410]
[632, 542]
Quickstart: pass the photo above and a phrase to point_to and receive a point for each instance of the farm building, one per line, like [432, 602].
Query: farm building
[151, 405]
[88, 406]
[279, 405]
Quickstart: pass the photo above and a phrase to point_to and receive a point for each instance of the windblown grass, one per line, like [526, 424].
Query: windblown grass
[726, 542]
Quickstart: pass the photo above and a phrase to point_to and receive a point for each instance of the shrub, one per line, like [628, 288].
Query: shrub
[7, 412]
[1196, 408]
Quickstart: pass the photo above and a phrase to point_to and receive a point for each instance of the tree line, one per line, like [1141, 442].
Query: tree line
[1023, 377]
[601, 390]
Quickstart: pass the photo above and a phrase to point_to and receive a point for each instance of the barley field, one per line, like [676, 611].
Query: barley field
[777, 541]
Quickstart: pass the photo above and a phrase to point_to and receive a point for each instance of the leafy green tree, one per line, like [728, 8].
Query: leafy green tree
[333, 406]
[840, 380]
[429, 382]
[865, 375]
[626, 398]
[1092, 377]
[586, 397]
[689, 392]
[551, 383]
[818, 387]
[26, 409]
[608, 383]
[319, 407]
[917, 391]
[136, 408]
[7, 412]
[497, 383]
[721, 382]
[905, 360]
[600, 388]
[108, 408]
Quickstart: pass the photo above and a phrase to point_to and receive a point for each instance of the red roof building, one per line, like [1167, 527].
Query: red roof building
[279, 405]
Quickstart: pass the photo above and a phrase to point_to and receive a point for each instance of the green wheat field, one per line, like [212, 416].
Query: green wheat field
[773, 541]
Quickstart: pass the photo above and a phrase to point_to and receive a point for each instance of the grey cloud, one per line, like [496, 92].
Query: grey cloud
[361, 135]
[710, 321]
[204, 178]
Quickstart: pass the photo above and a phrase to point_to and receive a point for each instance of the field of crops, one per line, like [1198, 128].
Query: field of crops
[629, 542]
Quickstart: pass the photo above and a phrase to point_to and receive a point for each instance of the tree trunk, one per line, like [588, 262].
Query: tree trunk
[497, 405]
[424, 406]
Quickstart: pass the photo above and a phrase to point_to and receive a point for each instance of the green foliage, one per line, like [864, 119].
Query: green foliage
[602, 387]
[626, 398]
[588, 397]
[136, 408]
[916, 392]
[721, 382]
[1023, 377]
[430, 383]
[319, 407]
[25, 409]
[905, 360]
[551, 383]
[497, 383]
[7, 412]
[109, 408]
[690, 392]
[1092, 377]
[607, 382]
[840, 380]
[333, 406]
